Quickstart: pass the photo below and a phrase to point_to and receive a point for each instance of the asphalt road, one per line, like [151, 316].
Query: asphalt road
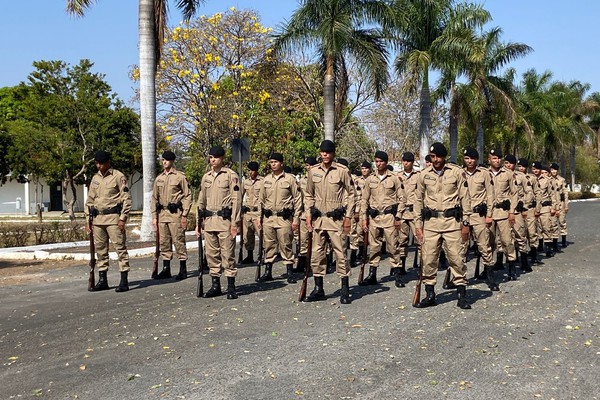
[539, 337]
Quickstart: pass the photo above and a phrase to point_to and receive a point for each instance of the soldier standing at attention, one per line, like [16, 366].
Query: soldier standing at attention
[442, 209]
[408, 177]
[481, 193]
[281, 203]
[545, 209]
[521, 211]
[303, 231]
[330, 204]
[503, 215]
[219, 205]
[171, 203]
[382, 205]
[562, 188]
[109, 203]
[530, 202]
[365, 171]
[250, 213]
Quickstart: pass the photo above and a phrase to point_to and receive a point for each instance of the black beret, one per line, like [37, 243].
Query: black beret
[253, 166]
[310, 160]
[523, 162]
[168, 155]
[327, 146]
[357, 172]
[382, 155]
[390, 167]
[342, 161]
[101, 156]
[496, 152]
[537, 165]
[287, 169]
[366, 164]
[471, 152]
[554, 166]
[510, 158]
[438, 149]
[276, 156]
[217, 151]
[427, 158]
[408, 156]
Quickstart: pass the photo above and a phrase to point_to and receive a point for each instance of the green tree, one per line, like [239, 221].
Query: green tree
[336, 30]
[152, 22]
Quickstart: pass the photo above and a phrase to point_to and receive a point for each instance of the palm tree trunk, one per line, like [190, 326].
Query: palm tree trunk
[453, 127]
[147, 109]
[480, 137]
[572, 166]
[329, 102]
[424, 117]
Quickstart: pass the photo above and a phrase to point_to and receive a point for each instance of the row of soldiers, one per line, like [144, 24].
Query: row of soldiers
[503, 209]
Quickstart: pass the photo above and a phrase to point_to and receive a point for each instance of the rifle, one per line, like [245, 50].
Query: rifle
[200, 287]
[302, 294]
[365, 256]
[157, 245]
[240, 255]
[476, 276]
[447, 279]
[92, 264]
[417, 296]
[261, 250]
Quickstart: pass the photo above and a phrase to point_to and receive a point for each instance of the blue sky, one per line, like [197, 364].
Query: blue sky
[562, 34]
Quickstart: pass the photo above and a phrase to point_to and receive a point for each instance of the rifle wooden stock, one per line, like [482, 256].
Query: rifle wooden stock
[261, 250]
[365, 255]
[92, 264]
[416, 259]
[240, 254]
[307, 267]
[200, 286]
[447, 279]
[156, 247]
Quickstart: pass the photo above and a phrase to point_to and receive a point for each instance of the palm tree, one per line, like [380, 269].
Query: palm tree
[152, 22]
[595, 122]
[336, 30]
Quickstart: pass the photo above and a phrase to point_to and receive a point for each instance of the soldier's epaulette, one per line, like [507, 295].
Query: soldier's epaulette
[341, 166]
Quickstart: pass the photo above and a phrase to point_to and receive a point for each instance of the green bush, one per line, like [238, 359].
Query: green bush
[18, 235]
[582, 195]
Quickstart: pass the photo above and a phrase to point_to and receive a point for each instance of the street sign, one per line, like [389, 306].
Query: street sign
[240, 150]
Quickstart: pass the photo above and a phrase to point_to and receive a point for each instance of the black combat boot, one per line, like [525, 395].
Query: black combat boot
[461, 294]
[301, 264]
[345, 293]
[215, 289]
[231, 294]
[549, 252]
[402, 269]
[102, 283]
[166, 271]
[371, 279]
[268, 274]
[353, 258]
[443, 260]
[249, 258]
[525, 267]
[318, 293]
[555, 246]
[124, 284]
[429, 300]
[564, 241]
[533, 255]
[491, 280]
[512, 274]
[290, 273]
[182, 270]
[541, 244]
[398, 278]
[499, 262]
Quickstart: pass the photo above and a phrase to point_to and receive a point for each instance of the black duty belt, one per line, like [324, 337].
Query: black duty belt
[546, 203]
[337, 214]
[480, 209]
[225, 213]
[172, 207]
[373, 212]
[286, 213]
[454, 212]
[410, 208]
[113, 210]
[504, 205]
[246, 209]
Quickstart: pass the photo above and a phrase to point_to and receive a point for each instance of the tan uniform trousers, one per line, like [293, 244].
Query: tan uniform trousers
[355, 235]
[249, 229]
[220, 253]
[532, 228]
[101, 235]
[278, 235]
[303, 237]
[481, 236]
[520, 232]
[320, 241]
[172, 233]
[555, 226]
[453, 244]
[545, 225]
[407, 226]
[562, 222]
[376, 238]
[502, 232]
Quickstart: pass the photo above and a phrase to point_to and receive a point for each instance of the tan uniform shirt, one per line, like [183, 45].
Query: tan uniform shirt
[218, 191]
[481, 191]
[409, 180]
[359, 185]
[504, 189]
[171, 187]
[546, 194]
[327, 190]
[381, 194]
[252, 189]
[279, 192]
[523, 189]
[563, 191]
[442, 192]
[107, 192]
[533, 192]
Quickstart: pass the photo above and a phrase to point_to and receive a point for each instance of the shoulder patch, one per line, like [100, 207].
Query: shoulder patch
[126, 189]
[402, 186]
[236, 188]
[466, 184]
